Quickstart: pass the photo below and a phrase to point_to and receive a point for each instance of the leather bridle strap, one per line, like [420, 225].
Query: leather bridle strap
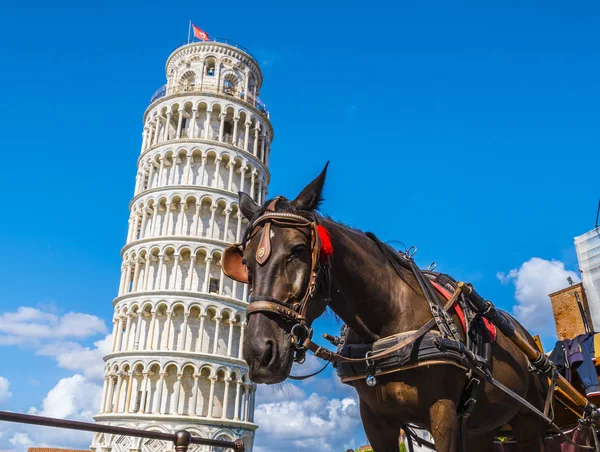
[274, 307]
[334, 357]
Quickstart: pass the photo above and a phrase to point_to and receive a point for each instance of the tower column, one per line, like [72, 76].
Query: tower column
[201, 332]
[190, 277]
[114, 335]
[179, 122]
[243, 170]
[129, 383]
[136, 275]
[216, 341]
[247, 124]
[104, 392]
[193, 127]
[242, 329]
[230, 338]
[167, 125]
[177, 393]
[138, 331]
[146, 272]
[144, 393]
[206, 130]
[127, 332]
[236, 410]
[175, 272]
[196, 221]
[211, 396]
[221, 126]
[255, 147]
[217, 169]
[111, 392]
[150, 341]
[151, 175]
[161, 264]
[231, 168]
[238, 232]
[161, 171]
[168, 329]
[207, 274]
[158, 405]
[184, 328]
[144, 222]
[236, 120]
[226, 227]
[194, 407]
[188, 166]
[225, 399]
[119, 335]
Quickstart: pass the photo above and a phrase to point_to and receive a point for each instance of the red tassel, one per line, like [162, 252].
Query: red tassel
[326, 246]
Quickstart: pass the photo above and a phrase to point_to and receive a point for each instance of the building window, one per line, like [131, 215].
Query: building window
[213, 286]
[210, 67]
[228, 87]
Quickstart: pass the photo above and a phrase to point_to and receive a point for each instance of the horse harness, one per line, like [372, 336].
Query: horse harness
[424, 346]
[234, 267]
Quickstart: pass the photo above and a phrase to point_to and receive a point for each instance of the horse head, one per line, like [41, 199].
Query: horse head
[280, 259]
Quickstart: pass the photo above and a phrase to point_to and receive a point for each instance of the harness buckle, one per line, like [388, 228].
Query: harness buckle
[469, 397]
[370, 379]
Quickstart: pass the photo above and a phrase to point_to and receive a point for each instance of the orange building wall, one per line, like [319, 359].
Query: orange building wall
[566, 312]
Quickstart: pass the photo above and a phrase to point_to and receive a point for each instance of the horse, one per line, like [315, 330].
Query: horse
[278, 260]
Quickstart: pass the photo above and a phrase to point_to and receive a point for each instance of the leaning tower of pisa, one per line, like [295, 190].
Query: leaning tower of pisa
[176, 358]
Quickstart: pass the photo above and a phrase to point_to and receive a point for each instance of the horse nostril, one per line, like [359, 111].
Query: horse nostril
[267, 355]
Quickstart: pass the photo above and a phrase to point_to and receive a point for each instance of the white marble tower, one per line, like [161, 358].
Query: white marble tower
[176, 359]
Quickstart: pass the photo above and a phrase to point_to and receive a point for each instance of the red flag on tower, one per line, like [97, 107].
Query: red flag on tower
[202, 35]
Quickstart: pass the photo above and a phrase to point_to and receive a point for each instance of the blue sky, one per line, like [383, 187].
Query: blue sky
[465, 128]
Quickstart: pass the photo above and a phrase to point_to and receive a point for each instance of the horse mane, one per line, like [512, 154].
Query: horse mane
[284, 205]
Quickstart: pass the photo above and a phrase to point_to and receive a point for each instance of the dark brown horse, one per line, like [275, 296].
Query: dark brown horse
[370, 297]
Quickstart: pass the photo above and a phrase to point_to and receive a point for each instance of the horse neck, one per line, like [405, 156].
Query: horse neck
[367, 293]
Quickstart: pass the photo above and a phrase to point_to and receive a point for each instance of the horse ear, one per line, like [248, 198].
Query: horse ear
[248, 206]
[310, 198]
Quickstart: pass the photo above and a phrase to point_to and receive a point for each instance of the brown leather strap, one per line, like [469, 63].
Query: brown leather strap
[275, 308]
[263, 252]
[328, 355]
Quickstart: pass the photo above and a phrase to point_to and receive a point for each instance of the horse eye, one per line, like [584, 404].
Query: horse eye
[298, 249]
[244, 262]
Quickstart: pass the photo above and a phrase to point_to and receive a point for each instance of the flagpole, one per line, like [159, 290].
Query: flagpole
[189, 28]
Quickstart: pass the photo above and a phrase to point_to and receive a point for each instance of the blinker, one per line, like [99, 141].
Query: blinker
[233, 265]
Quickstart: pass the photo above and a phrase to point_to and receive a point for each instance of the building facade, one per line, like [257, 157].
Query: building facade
[176, 359]
[569, 312]
[588, 255]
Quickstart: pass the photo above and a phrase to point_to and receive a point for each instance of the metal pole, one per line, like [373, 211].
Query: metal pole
[189, 29]
[586, 326]
[181, 439]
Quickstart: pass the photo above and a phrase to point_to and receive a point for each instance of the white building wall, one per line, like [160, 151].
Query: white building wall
[176, 357]
[588, 255]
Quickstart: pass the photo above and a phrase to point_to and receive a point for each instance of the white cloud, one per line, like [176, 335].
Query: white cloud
[4, 389]
[53, 335]
[73, 356]
[21, 440]
[315, 422]
[72, 398]
[30, 325]
[534, 281]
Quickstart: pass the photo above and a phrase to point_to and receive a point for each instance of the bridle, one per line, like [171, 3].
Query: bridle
[291, 312]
